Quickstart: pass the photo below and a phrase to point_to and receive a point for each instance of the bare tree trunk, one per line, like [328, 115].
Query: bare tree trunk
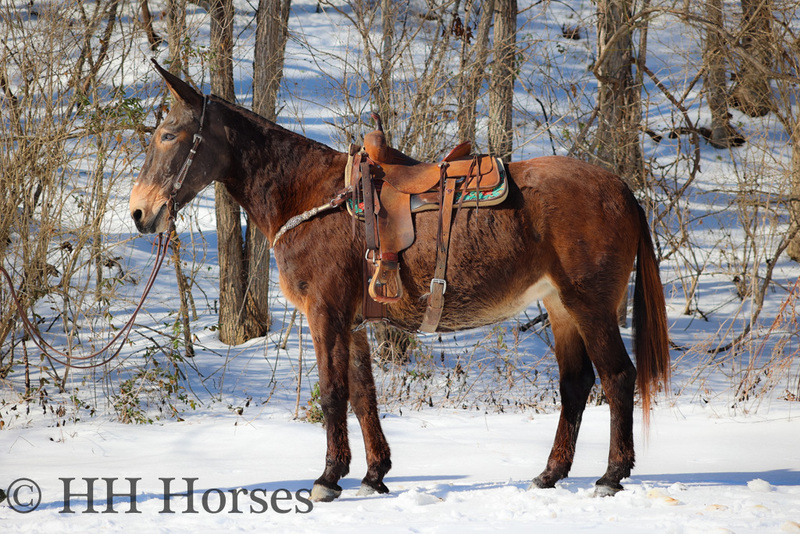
[793, 250]
[501, 92]
[147, 21]
[723, 135]
[752, 94]
[272, 24]
[616, 144]
[176, 29]
[272, 31]
[384, 90]
[231, 267]
[230, 245]
[184, 293]
[221, 45]
[473, 66]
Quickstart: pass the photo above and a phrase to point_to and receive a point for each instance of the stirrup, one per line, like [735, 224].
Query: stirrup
[386, 286]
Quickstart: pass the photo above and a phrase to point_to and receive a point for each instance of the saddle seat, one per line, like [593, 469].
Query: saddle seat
[413, 177]
[400, 185]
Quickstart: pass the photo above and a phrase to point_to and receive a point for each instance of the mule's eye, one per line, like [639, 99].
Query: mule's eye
[166, 136]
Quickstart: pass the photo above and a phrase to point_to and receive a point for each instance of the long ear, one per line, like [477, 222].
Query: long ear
[180, 90]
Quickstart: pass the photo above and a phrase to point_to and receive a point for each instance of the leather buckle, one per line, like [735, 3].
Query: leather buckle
[439, 281]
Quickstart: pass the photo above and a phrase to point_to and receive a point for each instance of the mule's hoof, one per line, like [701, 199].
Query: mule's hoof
[538, 483]
[367, 489]
[320, 493]
[606, 491]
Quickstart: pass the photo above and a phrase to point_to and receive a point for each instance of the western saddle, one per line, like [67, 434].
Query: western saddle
[388, 186]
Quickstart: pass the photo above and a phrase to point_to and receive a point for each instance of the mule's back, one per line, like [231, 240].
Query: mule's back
[588, 215]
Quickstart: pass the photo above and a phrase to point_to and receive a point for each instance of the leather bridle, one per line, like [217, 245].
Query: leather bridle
[184, 170]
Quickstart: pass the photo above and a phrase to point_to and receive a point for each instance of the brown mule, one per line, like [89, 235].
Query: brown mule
[568, 233]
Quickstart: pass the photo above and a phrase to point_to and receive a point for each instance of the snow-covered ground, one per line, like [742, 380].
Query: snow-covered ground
[465, 445]
[454, 471]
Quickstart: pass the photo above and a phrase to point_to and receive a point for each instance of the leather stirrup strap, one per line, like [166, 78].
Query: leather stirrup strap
[369, 205]
[371, 310]
[433, 313]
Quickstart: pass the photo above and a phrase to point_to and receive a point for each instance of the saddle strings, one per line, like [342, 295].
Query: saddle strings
[463, 194]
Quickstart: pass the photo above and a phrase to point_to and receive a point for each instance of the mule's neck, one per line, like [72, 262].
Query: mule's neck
[276, 174]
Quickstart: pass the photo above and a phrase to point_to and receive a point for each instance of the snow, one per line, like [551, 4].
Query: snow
[453, 472]
[465, 445]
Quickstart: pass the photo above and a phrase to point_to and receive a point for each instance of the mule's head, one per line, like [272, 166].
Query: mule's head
[168, 151]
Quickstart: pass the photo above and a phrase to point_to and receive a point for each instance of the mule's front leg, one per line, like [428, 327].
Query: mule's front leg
[332, 347]
[365, 405]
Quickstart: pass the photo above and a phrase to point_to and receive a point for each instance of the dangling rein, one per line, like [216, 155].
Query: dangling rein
[67, 359]
[163, 246]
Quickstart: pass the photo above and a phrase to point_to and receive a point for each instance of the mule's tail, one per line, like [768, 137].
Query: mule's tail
[651, 341]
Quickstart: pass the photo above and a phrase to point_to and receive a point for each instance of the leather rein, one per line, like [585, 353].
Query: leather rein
[162, 248]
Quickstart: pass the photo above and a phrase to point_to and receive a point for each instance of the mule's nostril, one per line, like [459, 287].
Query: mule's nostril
[137, 215]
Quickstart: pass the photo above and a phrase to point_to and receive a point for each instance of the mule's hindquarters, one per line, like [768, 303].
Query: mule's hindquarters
[596, 230]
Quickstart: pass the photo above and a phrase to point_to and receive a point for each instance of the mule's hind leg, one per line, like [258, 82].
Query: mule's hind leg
[365, 405]
[618, 377]
[576, 379]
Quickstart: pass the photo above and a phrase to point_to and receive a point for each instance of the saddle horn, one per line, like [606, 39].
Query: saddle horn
[377, 119]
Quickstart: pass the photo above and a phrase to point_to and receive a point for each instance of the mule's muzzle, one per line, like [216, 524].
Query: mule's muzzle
[149, 210]
[151, 225]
